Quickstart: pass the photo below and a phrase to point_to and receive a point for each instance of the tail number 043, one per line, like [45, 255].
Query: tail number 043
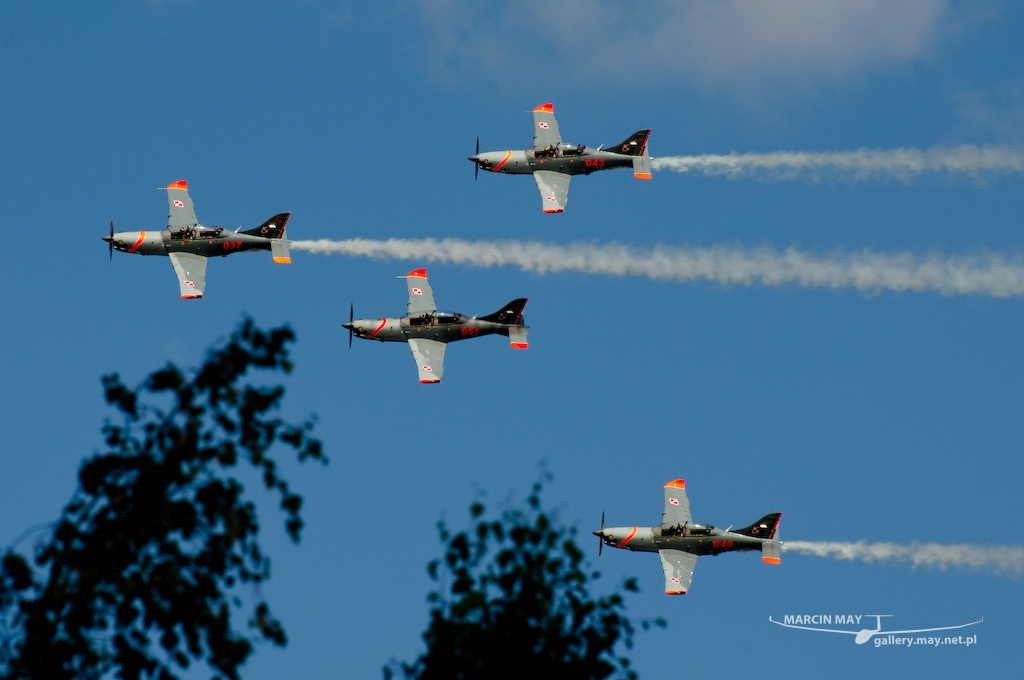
[594, 162]
[231, 245]
[470, 331]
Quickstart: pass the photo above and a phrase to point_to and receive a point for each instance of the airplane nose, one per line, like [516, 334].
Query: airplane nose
[108, 239]
[347, 324]
[475, 159]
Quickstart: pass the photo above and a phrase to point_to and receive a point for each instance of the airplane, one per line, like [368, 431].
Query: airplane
[680, 541]
[428, 331]
[553, 163]
[189, 244]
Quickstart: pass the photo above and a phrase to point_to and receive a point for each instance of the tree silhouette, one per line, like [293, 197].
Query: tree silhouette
[143, 572]
[517, 605]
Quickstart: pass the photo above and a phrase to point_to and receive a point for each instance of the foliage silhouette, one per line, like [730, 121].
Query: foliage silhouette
[518, 605]
[143, 570]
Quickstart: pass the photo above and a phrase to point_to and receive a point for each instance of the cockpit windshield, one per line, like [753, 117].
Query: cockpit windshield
[570, 149]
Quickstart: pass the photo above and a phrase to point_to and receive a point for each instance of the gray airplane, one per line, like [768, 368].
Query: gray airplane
[188, 244]
[679, 540]
[428, 331]
[552, 162]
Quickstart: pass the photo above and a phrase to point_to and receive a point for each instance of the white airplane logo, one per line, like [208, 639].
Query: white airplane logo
[866, 634]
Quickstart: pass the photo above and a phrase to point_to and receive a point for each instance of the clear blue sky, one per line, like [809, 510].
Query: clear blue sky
[890, 417]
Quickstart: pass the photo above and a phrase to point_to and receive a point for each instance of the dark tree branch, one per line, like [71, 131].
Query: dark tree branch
[137, 578]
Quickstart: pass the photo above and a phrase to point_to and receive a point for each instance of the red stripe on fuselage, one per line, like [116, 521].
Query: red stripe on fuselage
[138, 243]
[382, 324]
[508, 154]
[628, 538]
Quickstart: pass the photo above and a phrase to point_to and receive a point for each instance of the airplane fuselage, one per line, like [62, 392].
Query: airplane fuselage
[198, 240]
[694, 539]
[569, 159]
[439, 326]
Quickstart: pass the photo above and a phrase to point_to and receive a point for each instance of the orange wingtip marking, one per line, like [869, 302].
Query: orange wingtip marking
[553, 210]
[642, 175]
[418, 272]
[430, 381]
[519, 345]
[283, 260]
[677, 483]
[771, 560]
[180, 184]
[545, 108]
[191, 297]
[675, 592]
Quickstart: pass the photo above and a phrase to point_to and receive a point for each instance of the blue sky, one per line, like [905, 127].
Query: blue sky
[889, 417]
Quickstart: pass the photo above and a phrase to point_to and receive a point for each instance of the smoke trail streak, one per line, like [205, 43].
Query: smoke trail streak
[987, 274]
[859, 165]
[999, 558]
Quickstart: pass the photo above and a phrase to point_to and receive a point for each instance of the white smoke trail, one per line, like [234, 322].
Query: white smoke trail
[858, 165]
[986, 274]
[999, 558]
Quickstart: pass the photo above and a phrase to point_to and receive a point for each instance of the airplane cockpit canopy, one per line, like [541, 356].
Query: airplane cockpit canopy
[570, 149]
[442, 318]
[436, 318]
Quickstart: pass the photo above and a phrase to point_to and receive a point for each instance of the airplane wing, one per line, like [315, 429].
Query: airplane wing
[677, 506]
[191, 271]
[429, 356]
[181, 213]
[678, 567]
[554, 189]
[545, 127]
[421, 297]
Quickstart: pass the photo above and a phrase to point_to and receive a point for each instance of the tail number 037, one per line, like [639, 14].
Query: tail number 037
[231, 245]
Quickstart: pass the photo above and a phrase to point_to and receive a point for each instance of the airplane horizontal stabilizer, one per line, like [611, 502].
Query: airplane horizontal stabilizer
[279, 250]
[771, 552]
[517, 337]
[642, 167]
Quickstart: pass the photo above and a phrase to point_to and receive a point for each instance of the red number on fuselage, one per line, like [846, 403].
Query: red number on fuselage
[470, 331]
[231, 245]
[594, 162]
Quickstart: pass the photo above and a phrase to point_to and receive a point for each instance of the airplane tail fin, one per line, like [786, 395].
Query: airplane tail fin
[272, 228]
[635, 145]
[511, 314]
[762, 528]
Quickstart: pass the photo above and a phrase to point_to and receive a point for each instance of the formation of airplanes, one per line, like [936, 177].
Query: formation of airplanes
[428, 330]
[679, 540]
